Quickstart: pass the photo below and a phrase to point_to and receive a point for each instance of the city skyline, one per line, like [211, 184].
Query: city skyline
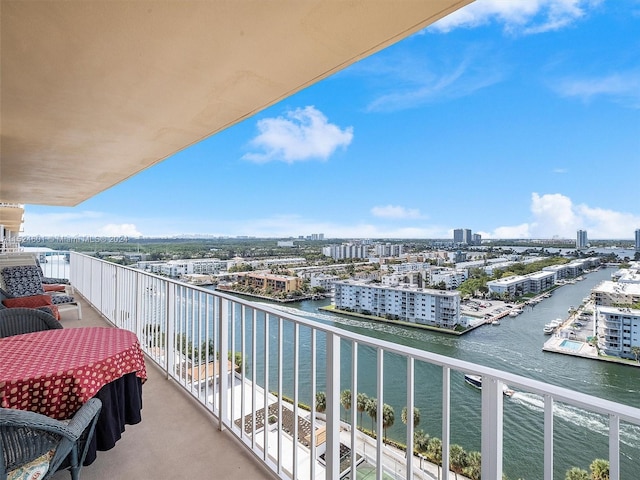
[515, 120]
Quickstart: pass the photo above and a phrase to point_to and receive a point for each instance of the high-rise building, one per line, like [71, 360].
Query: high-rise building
[461, 235]
[477, 239]
[638, 240]
[581, 239]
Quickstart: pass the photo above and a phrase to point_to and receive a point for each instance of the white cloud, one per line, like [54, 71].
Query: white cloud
[622, 87]
[521, 17]
[396, 212]
[75, 223]
[555, 215]
[304, 134]
[123, 229]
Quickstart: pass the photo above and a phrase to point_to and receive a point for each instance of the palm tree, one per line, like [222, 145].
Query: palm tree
[345, 399]
[577, 474]
[321, 402]
[636, 352]
[361, 403]
[416, 416]
[420, 441]
[599, 469]
[372, 410]
[473, 470]
[388, 418]
[457, 458]
[434, 452]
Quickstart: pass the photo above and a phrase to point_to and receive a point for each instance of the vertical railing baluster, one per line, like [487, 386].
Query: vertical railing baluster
[410, 425]
[354, 409]
[492, 425]
[280, 334]
[223, 329]
[296, 413]
[548, 437]
[446, 421]
[265, 393]
[332, 454]
[614, 447]
[312, 468]
[379, 415]
[254, 375]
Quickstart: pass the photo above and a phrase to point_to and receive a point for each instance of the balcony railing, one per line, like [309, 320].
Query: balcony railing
[191, 332]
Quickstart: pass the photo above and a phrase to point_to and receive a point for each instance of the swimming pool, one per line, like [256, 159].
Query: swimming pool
[571, 345]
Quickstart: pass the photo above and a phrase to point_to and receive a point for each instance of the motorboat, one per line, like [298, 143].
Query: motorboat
[476, 381]
[473, 380]
[551, 327]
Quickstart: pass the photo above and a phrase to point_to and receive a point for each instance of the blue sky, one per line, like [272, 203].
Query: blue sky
[516, 119]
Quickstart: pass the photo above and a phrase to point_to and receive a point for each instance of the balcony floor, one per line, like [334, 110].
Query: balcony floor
[176, 438]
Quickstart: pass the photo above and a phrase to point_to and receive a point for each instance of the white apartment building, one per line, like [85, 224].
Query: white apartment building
[388, 250]
[609, 294]
[452, 278]
[517, 285]
[177, 268]
[323, 280]
[422, 306]
[346, 250]
[618, 330]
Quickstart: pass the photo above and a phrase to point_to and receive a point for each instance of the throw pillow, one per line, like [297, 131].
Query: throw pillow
[34, 301]
[34, 470]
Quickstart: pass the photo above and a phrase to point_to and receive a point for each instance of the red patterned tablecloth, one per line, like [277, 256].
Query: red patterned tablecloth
[55, 371]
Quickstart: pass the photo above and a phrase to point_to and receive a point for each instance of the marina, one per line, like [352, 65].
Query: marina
[517, 347]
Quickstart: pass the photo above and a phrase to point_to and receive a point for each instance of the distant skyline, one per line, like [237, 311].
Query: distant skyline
[512, 119]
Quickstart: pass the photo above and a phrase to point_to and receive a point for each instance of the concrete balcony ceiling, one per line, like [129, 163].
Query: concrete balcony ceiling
[95, 92]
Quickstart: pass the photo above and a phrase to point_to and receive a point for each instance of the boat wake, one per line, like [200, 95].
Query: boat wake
[593, 422]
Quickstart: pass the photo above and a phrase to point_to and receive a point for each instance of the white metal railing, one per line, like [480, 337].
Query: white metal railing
[190, 331]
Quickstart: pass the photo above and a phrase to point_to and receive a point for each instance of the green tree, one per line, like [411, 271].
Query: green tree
[345, 400]
[434, 452]
[599, 469]
[416, 416]
[473, 470]
[321, 402]
[420, 441]
[388, 418]
[636, 352]
[361, 403]
[576, 474]
[457, 458]
[372, 410]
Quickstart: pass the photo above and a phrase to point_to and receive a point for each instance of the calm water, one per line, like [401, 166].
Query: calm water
[515, 346]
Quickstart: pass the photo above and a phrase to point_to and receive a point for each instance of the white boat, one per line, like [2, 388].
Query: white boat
[551, 327]
[495, 322]
[476, 381]
[473, 380]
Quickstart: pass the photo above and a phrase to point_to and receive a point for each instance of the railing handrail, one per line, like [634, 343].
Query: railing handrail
[551, 393]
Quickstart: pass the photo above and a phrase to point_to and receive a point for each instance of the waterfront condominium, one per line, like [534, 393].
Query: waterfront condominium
[638, 240]
[581, 239]
[423, 306]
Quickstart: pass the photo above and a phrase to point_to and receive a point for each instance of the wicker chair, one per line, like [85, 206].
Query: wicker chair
[34, 442]
[14, 321]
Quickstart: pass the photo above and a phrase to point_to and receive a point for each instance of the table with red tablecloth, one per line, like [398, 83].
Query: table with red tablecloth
[54, 372]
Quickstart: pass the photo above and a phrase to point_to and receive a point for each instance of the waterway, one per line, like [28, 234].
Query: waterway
[515, 346]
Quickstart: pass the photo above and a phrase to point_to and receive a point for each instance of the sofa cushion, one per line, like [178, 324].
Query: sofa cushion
[54, 287]
[22, 280]
[35, 469]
